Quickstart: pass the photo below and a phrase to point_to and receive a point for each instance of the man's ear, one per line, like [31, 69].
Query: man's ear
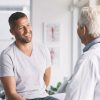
[11, 31]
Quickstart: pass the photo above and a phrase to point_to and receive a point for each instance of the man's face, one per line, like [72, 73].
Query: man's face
[22, 30]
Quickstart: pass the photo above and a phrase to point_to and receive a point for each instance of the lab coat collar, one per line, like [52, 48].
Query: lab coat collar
[95, 41]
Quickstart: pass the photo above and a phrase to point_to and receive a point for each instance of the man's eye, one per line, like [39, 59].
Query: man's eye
[19, 28]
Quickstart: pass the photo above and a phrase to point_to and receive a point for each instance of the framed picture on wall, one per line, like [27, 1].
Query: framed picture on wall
[55, 56]
[51, 33]
[51, 38]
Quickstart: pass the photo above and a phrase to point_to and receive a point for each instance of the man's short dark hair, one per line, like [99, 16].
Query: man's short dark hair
[15, 16]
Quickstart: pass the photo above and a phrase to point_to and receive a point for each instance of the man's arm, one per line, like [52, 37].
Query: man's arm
[9, 85]
[47, 76]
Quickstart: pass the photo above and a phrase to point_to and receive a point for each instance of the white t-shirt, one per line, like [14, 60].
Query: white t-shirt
[28, 70]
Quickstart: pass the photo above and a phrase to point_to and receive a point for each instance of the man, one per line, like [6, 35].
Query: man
[85, 82]
[24, 67]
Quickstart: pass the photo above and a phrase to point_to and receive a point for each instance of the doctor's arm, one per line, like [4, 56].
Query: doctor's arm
[83, 81]
[9, 85]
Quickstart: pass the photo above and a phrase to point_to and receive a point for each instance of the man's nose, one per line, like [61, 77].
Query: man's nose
[27, 30]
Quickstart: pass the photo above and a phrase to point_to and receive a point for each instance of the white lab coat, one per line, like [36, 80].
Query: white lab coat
[85, 81]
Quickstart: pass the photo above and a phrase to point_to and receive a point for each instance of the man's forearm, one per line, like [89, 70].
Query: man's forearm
[14, 97]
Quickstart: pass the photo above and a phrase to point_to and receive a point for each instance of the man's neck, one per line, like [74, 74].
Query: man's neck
[26, 48]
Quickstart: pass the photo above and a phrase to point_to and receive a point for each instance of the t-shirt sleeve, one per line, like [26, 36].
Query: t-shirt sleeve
[46, 54]
[6, 66]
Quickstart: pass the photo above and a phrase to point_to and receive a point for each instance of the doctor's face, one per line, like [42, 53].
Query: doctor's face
[22, 30]
[80, 33]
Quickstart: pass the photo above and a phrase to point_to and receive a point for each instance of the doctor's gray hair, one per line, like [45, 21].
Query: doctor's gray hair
[90, 17]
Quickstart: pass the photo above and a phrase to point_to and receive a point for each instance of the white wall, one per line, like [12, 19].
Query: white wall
[47, 11]
[14, 3]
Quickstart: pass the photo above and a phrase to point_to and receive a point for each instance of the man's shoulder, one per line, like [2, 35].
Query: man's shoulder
[39, 45]
[41, 48]
[8, 49]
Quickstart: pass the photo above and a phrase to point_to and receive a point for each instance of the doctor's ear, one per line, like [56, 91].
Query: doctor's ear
[84, 30]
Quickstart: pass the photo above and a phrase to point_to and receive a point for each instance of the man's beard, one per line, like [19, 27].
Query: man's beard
[24, 39]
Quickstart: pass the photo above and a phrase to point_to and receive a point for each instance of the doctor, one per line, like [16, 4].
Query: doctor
[85, 81]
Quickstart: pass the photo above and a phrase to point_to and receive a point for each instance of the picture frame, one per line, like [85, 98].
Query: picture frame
[55, 56]
[51, 33]
[51, 38]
